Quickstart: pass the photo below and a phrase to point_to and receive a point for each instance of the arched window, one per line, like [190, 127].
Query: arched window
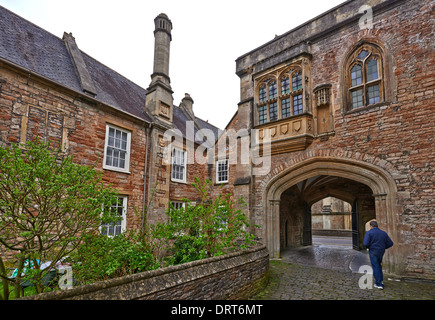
[364, 77]
[280, 96]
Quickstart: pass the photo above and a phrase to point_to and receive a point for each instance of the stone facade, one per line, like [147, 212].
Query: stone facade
[36, 108]
[346, 101]
[378, 156]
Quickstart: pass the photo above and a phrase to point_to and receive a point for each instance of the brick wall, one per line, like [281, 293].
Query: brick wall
[396, 136]
[31, 107]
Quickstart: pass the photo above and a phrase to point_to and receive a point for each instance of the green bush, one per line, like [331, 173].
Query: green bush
[100, 257]
[211, 227]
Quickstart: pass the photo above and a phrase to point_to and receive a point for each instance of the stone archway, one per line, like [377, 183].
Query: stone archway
[377, 179]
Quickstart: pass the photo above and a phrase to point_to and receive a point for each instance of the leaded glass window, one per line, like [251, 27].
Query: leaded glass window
[263, 94]
[356, 75]
[285, 108]
[372, 70]
[262, 113]
[373, 94]
[297, 81]
[357, 98]
[365, 77]
[285, 85]
[280, 95]
[297, 105]
[273, 111]
[272, 90]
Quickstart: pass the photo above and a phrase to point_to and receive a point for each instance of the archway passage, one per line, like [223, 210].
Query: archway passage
[297, 200]
[315, 178]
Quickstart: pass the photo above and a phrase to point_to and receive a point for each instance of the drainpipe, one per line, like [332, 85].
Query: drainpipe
[147, 136]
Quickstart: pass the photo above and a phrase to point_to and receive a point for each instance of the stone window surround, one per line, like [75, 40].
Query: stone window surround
[375, 52]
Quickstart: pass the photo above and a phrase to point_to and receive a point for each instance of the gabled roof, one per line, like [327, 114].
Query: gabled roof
[181, 122]
[28, 46]
[35, 49]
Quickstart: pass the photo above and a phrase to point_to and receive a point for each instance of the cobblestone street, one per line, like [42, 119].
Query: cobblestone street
[329, 272]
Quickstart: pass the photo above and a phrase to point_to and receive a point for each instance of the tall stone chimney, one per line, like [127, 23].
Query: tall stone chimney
[159, 99]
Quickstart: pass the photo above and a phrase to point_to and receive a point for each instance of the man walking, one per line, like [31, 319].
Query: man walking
[377, 241]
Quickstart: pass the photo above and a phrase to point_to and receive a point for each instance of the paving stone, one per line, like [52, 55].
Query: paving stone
[299, 277]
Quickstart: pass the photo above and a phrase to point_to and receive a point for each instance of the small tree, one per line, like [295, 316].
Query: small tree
[209, 228]
[47, 205]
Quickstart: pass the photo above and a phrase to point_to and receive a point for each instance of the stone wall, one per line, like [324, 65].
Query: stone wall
[394, 137]
[233, 276]
[31, 107]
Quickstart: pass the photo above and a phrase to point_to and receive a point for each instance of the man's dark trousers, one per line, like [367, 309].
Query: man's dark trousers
[376, 261]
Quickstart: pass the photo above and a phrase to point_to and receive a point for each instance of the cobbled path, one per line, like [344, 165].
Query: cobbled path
[323, 273]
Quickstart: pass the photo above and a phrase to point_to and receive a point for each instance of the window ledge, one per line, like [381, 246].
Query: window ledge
[178, 181]
[365, 108]
[116, 170]
[221, 183]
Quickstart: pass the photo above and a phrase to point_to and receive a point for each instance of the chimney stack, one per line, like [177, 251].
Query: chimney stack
[187, 101]
[162, 40]
[159, 100]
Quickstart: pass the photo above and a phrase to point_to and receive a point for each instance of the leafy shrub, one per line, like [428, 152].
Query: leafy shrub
[101, 257]
[212, 227]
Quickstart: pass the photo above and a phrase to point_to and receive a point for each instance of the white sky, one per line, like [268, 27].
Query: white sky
[207, 38]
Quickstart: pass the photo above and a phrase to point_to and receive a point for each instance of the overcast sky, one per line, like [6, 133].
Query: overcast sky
[207, 38]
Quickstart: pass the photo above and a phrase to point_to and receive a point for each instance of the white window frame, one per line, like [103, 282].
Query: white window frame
[174, 159]
[178, 204]
[218, 163]
[126, 168]
[123, 220]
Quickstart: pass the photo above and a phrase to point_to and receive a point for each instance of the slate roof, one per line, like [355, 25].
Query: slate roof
[181, 120]
[31, 47]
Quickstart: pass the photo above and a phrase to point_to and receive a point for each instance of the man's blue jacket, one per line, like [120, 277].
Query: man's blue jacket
[377, 241]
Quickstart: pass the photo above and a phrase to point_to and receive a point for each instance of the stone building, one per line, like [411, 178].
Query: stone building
[341, 106]
[348, 101]
[51, 89]
[331, 217]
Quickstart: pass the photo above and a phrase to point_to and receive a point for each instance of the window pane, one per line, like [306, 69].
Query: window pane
[356, 75]
[178, 164]
[111, 141]
[262, 114]
[372, 70]
[363, 54]
[272, 89]
[262, 94]
[297, 105]
[297, 81]
[285, 85]
[115, 228]
[273, 111]
[373, 93]
[116, 151]
[285, 108]
[357, 98]
[111, 132]
[222, 173]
